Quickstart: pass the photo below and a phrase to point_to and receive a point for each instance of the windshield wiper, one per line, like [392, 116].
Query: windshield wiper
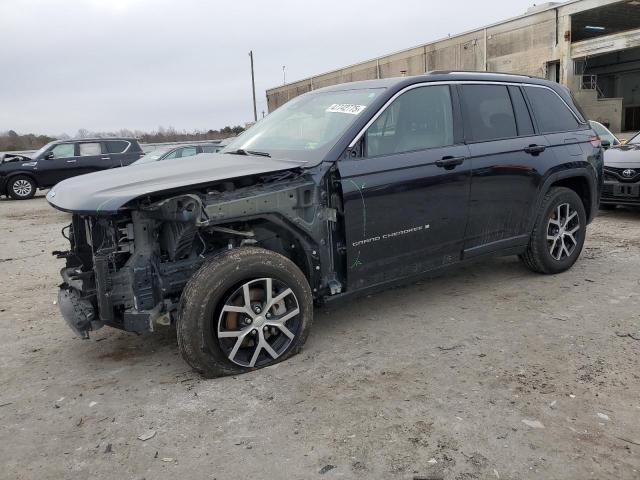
[241, 151]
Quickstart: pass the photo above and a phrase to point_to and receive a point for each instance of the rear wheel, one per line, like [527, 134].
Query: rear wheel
[21, 187]
[559, 233]
[244, 309]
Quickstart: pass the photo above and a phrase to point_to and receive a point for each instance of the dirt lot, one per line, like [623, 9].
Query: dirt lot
[490, 372]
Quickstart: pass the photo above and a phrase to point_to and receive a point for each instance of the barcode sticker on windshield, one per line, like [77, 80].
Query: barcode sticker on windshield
[346, 108]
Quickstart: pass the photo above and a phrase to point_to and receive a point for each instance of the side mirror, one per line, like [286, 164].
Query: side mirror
[605, 144]
[49, 156]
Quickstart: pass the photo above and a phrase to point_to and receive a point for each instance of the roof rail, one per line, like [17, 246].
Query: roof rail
[474, 72]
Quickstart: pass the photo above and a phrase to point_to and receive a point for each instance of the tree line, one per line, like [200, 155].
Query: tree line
[13, 141]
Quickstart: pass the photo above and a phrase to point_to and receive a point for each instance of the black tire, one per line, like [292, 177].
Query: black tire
[538, 256]
[211, 289]
[21, 187]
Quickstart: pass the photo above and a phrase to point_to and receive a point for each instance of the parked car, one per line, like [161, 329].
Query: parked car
[341, 191]
[622, 175]
[21, 176]
[605, 134]
[182, 151]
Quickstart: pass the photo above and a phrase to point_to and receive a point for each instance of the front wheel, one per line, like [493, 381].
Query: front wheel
[21, 187]
[559, 233]
[244, 309]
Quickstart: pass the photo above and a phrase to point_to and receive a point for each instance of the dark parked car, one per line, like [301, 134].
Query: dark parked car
[622, 175]
[343, 190]
[182, 151]
[21, 176]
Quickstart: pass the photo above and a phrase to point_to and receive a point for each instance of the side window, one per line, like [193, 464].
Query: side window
[173, 154]
[488, 114]
[550, 112]
[90, 149]
[209, 149]
[523, 118]
[419, 119]
[188, 152]
[64, 150]
[116, 146]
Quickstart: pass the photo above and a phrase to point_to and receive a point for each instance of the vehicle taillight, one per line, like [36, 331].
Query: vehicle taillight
[595, 141]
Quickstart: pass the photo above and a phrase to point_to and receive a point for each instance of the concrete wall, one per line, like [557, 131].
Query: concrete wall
[522, 45]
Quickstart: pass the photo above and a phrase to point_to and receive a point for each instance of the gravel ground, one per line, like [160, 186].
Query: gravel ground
[488, 372]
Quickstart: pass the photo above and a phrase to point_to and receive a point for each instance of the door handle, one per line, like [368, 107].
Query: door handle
[106, 158]
[535, 149]
[449, 163]
[71, 161]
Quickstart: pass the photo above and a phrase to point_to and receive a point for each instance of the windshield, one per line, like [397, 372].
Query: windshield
[152, 156]
[307, 127]
[635, 140]
[40, 152]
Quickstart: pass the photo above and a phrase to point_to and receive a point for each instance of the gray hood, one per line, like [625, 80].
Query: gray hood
[107, 191]
[625, 156]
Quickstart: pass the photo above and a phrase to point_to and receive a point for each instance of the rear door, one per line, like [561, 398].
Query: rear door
[508, 159]
[91, 158]
[406, 197]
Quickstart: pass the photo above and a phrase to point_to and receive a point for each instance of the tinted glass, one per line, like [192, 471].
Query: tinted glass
[419, 119]
[64, 150]
[210, 149]
[523, 118]
[188, 152]
[488, 113]
[116, 146]
[551, 113]
[88, 149]
[173, 154]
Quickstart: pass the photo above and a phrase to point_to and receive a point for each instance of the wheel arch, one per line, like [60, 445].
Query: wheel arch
[21, 173]
[291, 242]
[582, 181]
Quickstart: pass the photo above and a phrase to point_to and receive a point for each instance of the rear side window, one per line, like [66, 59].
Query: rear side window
[488, 113]
[88, 149]
[551, 113]
[419, 119]
[116, 146]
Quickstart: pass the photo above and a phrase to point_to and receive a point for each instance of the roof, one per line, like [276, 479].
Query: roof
[436, 76]
[95, 139]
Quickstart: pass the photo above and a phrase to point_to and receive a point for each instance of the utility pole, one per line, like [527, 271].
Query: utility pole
[253, 88]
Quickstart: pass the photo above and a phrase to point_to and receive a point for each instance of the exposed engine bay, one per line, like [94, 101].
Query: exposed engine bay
[128, 270]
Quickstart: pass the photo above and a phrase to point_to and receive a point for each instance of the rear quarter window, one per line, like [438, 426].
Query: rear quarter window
[551, 113]
[116, 146]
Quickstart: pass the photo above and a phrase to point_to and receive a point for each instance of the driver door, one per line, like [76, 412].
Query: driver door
[406, 198]
[60, 166]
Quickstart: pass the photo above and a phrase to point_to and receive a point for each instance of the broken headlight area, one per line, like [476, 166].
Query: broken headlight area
[128, 271]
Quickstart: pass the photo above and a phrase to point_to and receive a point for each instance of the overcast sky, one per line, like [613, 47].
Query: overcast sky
[104, 65]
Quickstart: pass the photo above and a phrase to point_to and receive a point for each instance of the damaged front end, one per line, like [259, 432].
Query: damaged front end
[128, 269]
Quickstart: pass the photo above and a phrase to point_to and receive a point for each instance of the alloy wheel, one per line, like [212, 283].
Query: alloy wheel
[562, 229]
[258, 322]
[22, 188]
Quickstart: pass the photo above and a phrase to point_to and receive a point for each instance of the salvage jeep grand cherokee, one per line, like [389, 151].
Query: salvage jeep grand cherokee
[341, 190]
